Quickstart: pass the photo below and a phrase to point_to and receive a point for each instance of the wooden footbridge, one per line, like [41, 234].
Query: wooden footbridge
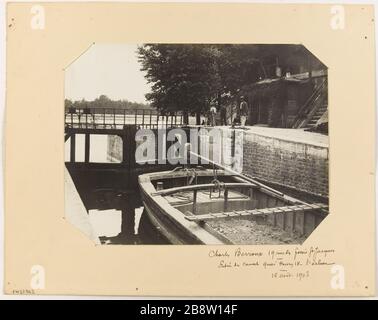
[121, 122]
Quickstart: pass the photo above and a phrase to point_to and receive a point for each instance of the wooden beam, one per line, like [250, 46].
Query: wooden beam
[169, 191]
[87, 147]
[72, 147]
[255, 212]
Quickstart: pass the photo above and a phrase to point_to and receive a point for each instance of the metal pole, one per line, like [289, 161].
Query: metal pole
[194, 201]
[225, 199]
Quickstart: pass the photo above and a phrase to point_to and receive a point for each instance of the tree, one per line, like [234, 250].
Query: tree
[67, 104]
[183, 77]
[188, 77]
[104, 102]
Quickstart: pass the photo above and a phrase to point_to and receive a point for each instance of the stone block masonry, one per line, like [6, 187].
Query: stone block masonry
[294, 159]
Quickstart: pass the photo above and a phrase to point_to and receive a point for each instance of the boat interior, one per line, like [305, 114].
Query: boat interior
[209, 191]
[214, 198]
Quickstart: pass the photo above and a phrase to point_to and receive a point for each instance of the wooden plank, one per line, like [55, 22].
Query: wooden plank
[201, 187]
[299, 222]
[309, 224]
[280, 220]
[272, 202]
[289, 221]
[263, 201]
[280, 212]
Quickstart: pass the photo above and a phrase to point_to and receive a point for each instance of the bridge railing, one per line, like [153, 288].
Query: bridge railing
[109, 118]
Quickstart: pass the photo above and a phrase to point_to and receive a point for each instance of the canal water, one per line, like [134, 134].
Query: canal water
[116, 215]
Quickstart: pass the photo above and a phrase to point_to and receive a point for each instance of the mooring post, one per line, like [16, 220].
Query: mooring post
[73, 147]
[129, 145]
[87, 147]
[125, 160]
[132, 145]
[128, 216]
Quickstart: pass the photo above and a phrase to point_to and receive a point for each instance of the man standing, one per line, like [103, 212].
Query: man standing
[213, 113]
[234, 113]
[243, 111]
[223, 115]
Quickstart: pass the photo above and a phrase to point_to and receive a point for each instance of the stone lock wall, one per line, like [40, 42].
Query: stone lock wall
[295, 164]
[282, 157]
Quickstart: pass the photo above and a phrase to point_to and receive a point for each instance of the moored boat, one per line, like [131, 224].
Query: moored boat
[208, 206]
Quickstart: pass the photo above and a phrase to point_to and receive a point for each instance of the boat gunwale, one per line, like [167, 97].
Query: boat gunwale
[193, 229]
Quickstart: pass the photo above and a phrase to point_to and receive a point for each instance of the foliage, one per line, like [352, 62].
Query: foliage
[183, 77]
[104, 102]
[191, 77]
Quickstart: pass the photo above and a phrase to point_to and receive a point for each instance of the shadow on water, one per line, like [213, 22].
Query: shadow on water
[114, 205]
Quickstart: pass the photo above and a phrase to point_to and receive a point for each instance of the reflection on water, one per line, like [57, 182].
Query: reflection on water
[116, 214]
[98, 148]
[118, 217]
[107, 224]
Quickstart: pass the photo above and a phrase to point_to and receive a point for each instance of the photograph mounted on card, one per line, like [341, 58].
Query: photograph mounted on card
[191, 147]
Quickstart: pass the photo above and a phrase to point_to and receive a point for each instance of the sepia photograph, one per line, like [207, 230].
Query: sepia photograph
[189, 150]
[196, 143]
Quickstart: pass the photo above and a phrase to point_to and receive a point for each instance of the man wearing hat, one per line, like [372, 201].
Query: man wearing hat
[243, 111]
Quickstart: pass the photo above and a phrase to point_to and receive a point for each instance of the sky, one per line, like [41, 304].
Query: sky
[109, 69]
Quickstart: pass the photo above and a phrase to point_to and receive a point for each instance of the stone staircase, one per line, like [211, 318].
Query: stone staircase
[316, 116]
[314, 108]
